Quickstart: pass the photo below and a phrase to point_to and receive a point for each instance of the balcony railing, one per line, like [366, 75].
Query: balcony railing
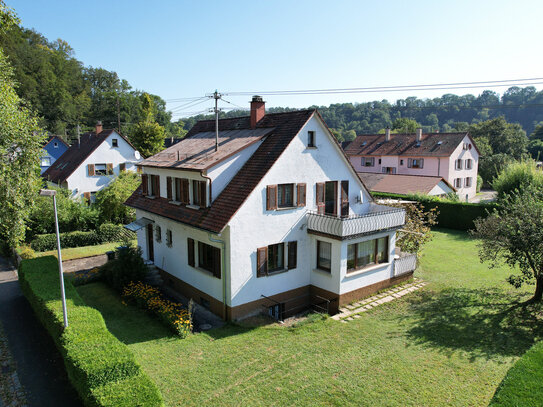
[405, 264]
[377, 218]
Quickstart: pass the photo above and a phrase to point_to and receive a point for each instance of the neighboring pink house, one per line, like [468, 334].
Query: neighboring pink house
[452, 156]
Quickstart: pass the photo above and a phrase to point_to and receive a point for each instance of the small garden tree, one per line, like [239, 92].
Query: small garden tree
[110, 200]
[513, 235]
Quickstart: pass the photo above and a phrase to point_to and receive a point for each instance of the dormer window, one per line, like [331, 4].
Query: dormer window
[199, 196]
[114, 142]
[311, 139]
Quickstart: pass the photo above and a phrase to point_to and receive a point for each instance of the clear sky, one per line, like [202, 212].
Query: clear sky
[179, 49]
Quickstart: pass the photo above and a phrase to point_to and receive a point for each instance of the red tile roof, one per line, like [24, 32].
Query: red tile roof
[431, 145]
[284, 127]
[72, 158]
[400, 184]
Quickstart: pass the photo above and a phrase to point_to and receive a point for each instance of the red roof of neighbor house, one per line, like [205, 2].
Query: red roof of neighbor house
[68, 162]
[283, 127]
[400, 184]
[431, 144]
[55, 137]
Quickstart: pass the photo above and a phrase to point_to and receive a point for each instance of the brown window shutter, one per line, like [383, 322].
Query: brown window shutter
[185, 191]
[320, 197]
[301, 194]
[87, 196]
[144, 184]
[91, 169]
[190, 248]
[271, 197]
[157, 178]
[344, 198]
[109, 169]
[169, 188]
[292, 254]
[217, 262]
[262, 261]
[122, 167]
[203, 195]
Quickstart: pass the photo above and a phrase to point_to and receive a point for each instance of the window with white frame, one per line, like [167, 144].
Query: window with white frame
[45, 161]
[100, 169]
[458, 164]
[324, 256]
[467, 182]
[468, 164]
[458, 182]
[364, 254]
[368, 161]
[114, 142]
[285, 195]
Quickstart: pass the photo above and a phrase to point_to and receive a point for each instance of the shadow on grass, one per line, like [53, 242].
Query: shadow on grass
[128, 323]
[482, 322]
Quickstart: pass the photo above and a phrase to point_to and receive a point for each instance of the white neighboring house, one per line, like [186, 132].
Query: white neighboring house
[90, 164]
[275, 220]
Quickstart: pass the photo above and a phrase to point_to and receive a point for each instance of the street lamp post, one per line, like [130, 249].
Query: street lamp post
[53, 193]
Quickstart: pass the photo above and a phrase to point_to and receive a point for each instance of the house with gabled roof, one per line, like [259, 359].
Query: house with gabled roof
[91, 163]
[452, 156]
[265, 215]
[54, 147]
[406, 184]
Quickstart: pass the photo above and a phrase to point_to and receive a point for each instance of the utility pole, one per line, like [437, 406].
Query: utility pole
[78, 136]
[118, 114]
[216, 96]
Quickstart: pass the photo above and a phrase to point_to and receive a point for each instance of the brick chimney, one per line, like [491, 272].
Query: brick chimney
[387, 134]
[99, 127]
[258, 110]
[418, 135]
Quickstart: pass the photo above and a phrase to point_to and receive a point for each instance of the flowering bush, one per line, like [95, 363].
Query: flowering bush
[171, 313]
[85, 277]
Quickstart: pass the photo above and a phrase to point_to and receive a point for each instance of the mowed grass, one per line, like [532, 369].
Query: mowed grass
[450, 343]
[80, 252]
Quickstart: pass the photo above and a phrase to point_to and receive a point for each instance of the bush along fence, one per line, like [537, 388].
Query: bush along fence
[107, 232]
[452, 215]
[100, 367]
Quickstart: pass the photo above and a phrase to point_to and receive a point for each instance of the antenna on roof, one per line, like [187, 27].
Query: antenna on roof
[78, 136]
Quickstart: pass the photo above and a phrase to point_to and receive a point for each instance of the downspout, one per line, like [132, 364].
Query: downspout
[210, 185]
[223, 267]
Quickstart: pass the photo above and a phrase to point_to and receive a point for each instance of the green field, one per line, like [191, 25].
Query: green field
[450, 343]
[80, 252]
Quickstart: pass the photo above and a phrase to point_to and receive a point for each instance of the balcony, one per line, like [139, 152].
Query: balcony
[376, 218]
[406, 263]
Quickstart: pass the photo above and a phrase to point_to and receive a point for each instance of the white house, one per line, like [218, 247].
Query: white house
[90, 164]
[274, 219]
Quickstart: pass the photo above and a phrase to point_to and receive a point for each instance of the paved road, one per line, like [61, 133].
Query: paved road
[39, 365]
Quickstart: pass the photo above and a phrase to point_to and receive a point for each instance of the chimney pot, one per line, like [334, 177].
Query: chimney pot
[99, 127]
[419, 135]
[387, 134]
[258, 110]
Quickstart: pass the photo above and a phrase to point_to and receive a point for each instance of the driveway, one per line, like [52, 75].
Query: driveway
[486, 195]
[39, 365]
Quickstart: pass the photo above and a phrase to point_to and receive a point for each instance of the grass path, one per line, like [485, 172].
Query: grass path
[450, 343]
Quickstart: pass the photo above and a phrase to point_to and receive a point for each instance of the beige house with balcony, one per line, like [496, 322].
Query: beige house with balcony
[265, 216]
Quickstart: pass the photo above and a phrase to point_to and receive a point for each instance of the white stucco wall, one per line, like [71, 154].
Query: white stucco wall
[105, 153]
[460, 153]
[253, 226]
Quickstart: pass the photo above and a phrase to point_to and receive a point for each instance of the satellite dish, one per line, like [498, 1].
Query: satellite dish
[137, 155]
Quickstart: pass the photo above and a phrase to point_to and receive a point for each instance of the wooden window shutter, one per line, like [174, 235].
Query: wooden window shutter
[122, 167]
[190, 249]
[320, 197]
[169, 188]
[157, 185]
[109, 169]
[87, 196]
[271, 197]
[217, 262]
[91, 169]
[203, 193]
[300, 194]
[409, 162]
[344, 198]
[144, 184]
[422, 163]
[185, 191]
[262, 261]
[292, 254]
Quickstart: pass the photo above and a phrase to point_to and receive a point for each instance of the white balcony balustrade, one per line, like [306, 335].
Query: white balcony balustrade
[405, 264]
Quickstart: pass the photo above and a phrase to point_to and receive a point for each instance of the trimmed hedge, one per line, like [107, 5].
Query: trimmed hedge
[107, 232]
[522, 386]
[100, 367]
[452, 215]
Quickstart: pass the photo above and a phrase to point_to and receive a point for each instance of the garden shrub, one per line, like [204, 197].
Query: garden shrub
[128, 266]
[42, 243]
[479, 184]
[97, 363]
[86, 277]
[451, 215]
[173, 314]
[26, 252]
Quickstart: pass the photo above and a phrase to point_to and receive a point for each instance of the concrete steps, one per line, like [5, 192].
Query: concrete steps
[153, 276]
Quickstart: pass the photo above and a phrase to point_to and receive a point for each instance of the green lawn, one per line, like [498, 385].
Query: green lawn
[80, 252]
[449, 344]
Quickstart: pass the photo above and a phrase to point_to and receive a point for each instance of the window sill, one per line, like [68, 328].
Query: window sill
[195, 207]
[204, 271]
[366, 269]
[275, 272]
[150, 196]
[324, 272]
[286, 208]
[311, 147]
[175, 203]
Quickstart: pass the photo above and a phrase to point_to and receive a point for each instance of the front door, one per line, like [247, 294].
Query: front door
[150, 246]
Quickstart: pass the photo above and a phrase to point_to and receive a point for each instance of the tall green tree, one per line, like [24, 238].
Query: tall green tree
[513, 235]
[148, 135]
[20, 145]
[110, 200]
[405, 125]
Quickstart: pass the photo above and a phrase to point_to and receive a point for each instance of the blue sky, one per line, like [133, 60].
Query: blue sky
[179, 49]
